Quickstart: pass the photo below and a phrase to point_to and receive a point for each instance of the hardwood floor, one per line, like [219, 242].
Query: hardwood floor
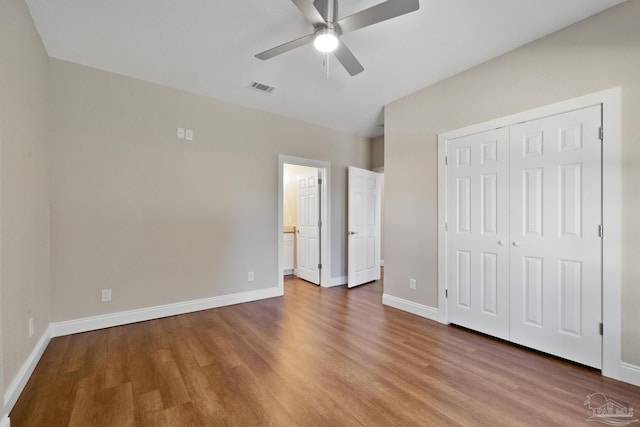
[325, 357]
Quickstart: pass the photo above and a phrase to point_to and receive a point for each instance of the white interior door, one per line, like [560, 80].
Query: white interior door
[478, 232]
[364, 226]
[555, 242]
[308, 230]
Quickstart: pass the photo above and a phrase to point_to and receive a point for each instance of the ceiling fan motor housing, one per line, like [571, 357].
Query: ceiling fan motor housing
[328, 9]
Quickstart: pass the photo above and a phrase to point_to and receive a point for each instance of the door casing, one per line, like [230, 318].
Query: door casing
[325, 207]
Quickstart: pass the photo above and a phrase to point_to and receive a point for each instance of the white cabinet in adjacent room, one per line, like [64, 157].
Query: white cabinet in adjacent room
[288, 240]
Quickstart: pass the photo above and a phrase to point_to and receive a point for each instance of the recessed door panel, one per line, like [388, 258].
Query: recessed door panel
[532, 197]
[571, 137]
[463, 156]
[463, 281]
[489, 283]
[463, 192]
[570, 280]
[532, 283]
[532, 144]
[489, 152]
[489, 203]
[570, 206]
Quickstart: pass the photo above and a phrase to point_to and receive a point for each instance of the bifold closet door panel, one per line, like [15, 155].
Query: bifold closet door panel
[555, 247]
[478, 232]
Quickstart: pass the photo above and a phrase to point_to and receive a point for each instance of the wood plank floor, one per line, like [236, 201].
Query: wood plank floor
[325, 357]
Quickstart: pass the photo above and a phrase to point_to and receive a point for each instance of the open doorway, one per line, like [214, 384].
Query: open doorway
[312, 253]
[301, 210]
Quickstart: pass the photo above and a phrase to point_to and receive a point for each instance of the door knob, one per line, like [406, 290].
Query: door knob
[515, 243]
[501, 242]
[351, 233]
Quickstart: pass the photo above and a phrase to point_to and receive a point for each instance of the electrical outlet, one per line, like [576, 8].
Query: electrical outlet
[30, 327]
[106, 295]
[250, 278]
[180, 133]
[188, 135]
[412, 284]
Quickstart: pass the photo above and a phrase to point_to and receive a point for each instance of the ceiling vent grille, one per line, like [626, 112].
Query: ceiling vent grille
[261, 87]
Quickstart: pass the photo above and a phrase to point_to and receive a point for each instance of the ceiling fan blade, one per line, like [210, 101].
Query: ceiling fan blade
[378, 13]
[270, 53]
[309, 11]
[348, 60]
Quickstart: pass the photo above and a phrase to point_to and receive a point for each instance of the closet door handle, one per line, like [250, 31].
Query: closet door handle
[515, 243]
[501, 242]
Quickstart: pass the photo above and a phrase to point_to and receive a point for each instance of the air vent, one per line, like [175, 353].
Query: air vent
[261, 87]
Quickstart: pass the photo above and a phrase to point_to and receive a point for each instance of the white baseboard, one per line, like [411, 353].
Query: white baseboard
[139, 315]
[115, 319]
[630, 373]
[20, 380]
[410, 306]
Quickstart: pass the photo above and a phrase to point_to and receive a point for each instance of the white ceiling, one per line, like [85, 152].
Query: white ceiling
[208, 46]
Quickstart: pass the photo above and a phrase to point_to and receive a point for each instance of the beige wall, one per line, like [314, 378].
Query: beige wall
[377, 152]
[290, 192]
[159, 220]
[24, 186]
[377, 163]
[596, 54]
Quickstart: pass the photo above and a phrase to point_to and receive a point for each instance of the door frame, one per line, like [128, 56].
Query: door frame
[610, 100]
[325, 207]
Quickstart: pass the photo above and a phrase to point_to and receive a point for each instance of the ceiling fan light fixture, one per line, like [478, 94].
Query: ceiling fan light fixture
[326, 40]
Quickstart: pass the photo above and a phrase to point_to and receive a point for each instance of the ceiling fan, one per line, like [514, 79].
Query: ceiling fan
[327, 28]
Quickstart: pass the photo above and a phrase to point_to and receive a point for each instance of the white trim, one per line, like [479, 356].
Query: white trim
[325, 217]
[20, 380]
[610, 100]
[411, 307]
[139, 315]
[336, 281]
[442, 236]
[630, 373]
[5, 422]
[612, 241]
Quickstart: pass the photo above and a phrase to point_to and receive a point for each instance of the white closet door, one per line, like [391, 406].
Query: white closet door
[555, 247]
[478, 232]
